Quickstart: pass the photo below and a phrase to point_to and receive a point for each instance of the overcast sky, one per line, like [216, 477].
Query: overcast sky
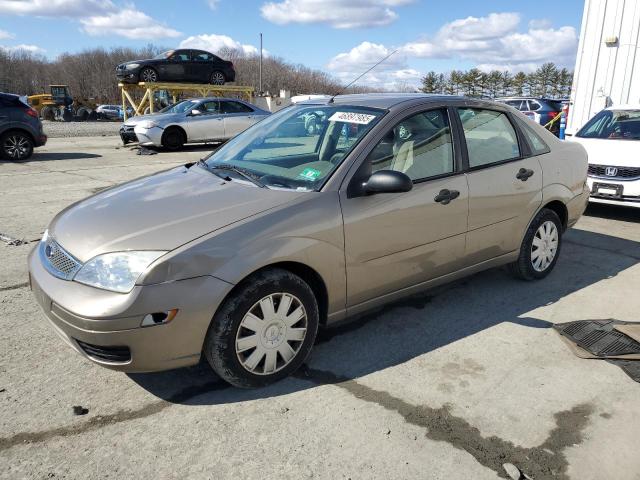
[343, 37]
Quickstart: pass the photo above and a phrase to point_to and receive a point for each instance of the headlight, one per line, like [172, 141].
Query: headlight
[148, 124]
[131, 66]
[117, 271]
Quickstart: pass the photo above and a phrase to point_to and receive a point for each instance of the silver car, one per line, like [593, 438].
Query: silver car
[210, 119]
[241, 257]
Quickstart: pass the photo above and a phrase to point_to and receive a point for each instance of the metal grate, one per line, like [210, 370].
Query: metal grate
[57, 261]
[108, 354]
[628, 173]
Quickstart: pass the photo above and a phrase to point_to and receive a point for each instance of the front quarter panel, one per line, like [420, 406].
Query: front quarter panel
[308, 231]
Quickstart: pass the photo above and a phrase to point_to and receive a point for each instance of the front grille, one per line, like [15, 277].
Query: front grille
[627, 173]
[57, 260]
[107, 354]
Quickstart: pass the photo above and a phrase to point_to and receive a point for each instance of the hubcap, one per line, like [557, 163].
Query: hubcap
[271, 333]
[149, 76]
[217, 78]
[544, 246]
[16, 146]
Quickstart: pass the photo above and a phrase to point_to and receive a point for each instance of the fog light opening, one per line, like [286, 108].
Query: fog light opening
[158, 318]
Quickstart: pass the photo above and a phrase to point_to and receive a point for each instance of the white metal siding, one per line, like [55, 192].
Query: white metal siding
[604, 75]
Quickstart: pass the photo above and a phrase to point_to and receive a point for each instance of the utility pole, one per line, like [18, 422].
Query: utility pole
[260, 71]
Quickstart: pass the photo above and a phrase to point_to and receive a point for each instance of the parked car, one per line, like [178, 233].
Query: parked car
[242, 256]
[20, 128]
[183, 65]
[612, 140]
[112, 112]
[540, 110]
[209, 119]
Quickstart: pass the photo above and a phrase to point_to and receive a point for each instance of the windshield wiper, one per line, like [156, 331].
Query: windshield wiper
[204, 165]
[252, 177]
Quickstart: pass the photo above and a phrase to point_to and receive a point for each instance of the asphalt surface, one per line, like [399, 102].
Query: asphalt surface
[448, 385]
[80, 129]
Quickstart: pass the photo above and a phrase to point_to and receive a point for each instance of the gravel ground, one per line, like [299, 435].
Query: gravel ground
[80, 129]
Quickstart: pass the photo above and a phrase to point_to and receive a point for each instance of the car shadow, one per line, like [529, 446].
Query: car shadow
[49, 156]
[418, 325]
[613, 212]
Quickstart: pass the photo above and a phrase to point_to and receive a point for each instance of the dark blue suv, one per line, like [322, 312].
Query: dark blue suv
[541, 110]
[20, 128]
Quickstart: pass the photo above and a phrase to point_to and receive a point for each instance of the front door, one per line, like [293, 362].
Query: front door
[206, 125]
[505, 185]
[397, 240]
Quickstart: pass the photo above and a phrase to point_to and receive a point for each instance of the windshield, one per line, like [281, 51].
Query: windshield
[180, 107]
[163, 55]
[613, 124]
[298, 147]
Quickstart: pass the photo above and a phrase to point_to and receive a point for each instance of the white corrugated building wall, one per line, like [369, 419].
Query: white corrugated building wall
[607, 68]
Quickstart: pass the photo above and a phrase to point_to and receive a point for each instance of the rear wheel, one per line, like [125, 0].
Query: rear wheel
[148, 75]
[217, 78]
[48, 113]
[540, 248]
[173, 139]
[264, 331]
[16, 145]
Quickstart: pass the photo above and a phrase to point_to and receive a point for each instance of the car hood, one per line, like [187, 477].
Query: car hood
[160, 212]
[619, 153]
[137, 61]
[156, 117]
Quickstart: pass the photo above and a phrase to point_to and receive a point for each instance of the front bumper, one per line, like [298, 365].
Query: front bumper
[151, 137]
[614, 191]
[104, 327]
[127, 134]
[127, 76]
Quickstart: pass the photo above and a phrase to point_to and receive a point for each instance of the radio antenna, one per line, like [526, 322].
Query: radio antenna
[359, 77]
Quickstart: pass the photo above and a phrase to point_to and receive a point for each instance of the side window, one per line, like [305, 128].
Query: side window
[235, 107]
[518, 104]
[490, 136]
[199, 56]
[212, 106]
[534, 106]
[538, 146]
[180, 56]
[419, 146]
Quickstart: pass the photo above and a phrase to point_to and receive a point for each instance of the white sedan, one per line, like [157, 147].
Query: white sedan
[195, 120]
[612, 141]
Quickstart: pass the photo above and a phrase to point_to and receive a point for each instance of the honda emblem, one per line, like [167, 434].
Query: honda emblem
[611, 171]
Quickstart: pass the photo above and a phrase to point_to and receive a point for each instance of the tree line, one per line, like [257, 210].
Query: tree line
[90, 74]
[547, 81]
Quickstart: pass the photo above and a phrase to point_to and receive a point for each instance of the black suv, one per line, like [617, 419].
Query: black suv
[20, 128]
[195, 66]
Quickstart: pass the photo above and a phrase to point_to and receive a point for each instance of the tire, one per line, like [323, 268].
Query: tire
[544, 228]
[148, 74]
[217, 78]
[173, 139]
[48, 113]
[67, 116]
[229, 324]
[83, 114]
[16, 145]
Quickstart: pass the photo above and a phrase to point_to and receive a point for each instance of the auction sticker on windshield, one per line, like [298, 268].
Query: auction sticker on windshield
[352, 117]
[310, 174]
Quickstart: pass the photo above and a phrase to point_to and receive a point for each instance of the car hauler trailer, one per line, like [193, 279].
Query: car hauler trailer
[607, 68]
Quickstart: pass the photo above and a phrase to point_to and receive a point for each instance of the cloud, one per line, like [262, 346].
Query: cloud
[213, 4]
[336, 13]
[55, 8]
[347, 66]
[129, 23]
[213, 43]
[23, 48]
[5, 35]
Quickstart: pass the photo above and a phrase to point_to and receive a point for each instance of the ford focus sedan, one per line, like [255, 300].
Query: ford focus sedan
[241, 257]
[210, 119]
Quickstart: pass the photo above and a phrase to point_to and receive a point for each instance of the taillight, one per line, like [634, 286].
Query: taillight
[31, 112]
[552, 115]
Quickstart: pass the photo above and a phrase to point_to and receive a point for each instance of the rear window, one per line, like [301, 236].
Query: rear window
[613, 125]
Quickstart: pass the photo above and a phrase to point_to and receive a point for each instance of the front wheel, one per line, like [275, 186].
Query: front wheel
[173, 139]
[16, 146]
[540, 248]
[148, 75]
[264, 331]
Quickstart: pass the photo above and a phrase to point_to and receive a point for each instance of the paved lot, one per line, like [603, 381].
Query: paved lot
[449, 385]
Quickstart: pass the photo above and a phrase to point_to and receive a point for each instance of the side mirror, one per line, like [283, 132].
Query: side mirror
[195, 112]
[387, 181]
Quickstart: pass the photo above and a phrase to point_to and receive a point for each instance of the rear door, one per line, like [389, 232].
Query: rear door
[397, 240]
[237, 117]
[200, 66]
[505, 183]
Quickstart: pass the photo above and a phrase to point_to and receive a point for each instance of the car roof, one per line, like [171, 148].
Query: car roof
[389, 101]
[200, 99]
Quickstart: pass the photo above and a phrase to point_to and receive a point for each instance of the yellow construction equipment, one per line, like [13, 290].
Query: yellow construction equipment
[60, 105]
[151, 91]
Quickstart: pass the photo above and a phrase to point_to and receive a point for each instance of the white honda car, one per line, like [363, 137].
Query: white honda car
[612, 140]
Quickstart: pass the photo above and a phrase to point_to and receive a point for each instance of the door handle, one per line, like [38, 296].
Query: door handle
[524, 174]
[445, 196]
